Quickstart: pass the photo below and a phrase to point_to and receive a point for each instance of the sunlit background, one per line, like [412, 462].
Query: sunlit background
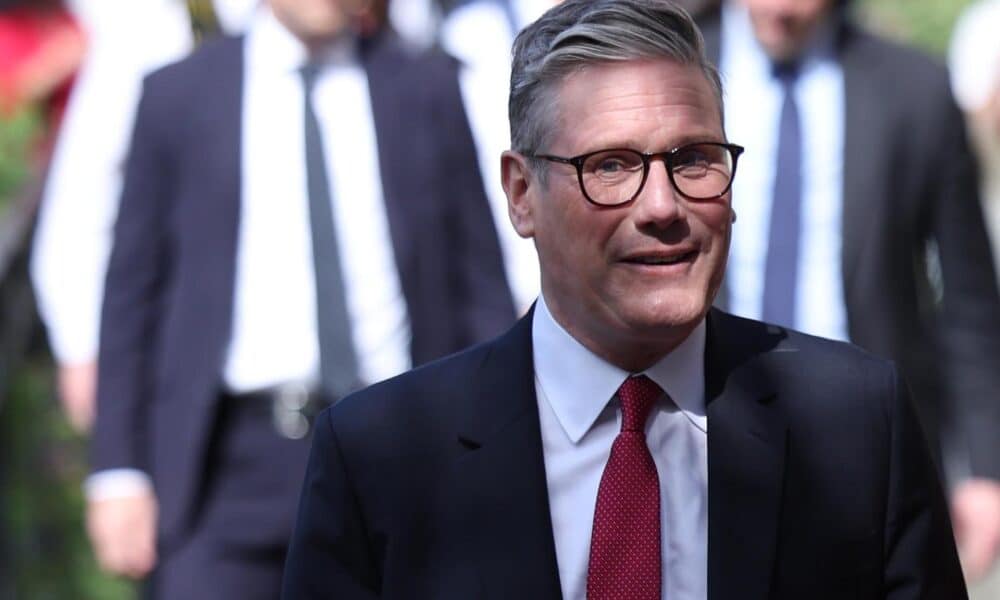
[43, 549]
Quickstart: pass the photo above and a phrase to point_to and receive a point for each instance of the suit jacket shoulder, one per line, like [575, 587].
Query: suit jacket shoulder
[197, 73]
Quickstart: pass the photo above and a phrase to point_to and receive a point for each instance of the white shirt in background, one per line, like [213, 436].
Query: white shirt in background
[274, 339]
[753, 106]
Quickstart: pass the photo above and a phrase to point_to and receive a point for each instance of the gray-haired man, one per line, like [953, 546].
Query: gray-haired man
[624, 440]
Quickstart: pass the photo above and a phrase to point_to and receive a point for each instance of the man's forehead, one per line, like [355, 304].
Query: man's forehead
[627, 96]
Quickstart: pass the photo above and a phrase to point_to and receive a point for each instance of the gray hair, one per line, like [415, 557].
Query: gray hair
[577, 33]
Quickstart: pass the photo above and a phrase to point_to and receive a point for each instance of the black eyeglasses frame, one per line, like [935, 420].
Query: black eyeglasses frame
[668, 156]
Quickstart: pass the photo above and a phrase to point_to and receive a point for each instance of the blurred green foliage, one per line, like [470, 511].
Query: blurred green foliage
[44, 553]
[927, 23]
[18, 136]
[44, 463]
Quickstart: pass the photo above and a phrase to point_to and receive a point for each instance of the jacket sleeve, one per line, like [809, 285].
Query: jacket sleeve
[920, 556]
[138, 275]
[329, 556]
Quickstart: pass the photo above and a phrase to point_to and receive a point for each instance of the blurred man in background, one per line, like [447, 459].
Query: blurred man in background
[126, 41]
[301, 215]
[859, 220]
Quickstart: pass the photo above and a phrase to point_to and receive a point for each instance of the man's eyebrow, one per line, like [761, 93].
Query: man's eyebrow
[696, 138]
[684, 140]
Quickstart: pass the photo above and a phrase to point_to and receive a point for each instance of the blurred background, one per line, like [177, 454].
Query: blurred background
[43, 548]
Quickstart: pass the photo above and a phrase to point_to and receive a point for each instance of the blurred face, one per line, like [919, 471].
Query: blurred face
[316, 21]
[784, 27]
[629, 282]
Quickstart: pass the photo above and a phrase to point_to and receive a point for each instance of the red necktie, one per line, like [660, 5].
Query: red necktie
[625, 543]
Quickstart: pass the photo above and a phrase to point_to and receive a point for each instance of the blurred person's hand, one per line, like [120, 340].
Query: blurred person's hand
[78, 393]
[989, 114]
[123, 534]
[975, 511]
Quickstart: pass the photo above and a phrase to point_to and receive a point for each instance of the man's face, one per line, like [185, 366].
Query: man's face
[315, 21]
[598, 266]
[784, 27]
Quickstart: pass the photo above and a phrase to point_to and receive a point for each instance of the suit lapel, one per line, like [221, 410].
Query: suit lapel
[746, 453]
[383, 60]
[864, 124]
[214, 159]
[502, 491]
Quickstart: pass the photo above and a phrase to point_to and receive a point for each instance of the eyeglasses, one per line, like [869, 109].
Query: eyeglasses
[702, 171]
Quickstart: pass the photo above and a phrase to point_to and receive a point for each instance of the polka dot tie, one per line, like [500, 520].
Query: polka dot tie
[625, 543]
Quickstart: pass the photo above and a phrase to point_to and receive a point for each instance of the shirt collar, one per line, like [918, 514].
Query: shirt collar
[578, 384]
[273, 48]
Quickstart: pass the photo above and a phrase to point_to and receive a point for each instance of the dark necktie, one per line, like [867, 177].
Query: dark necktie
[781, 269]
[338, 364]
[625, 543]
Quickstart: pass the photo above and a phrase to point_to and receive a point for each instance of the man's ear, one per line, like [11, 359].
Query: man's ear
[520, 185]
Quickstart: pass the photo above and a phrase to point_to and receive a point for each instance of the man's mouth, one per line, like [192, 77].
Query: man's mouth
[662, 259]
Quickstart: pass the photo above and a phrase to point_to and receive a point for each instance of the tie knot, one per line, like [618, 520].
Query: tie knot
[309, 72]
[637, 396]
[785, 72]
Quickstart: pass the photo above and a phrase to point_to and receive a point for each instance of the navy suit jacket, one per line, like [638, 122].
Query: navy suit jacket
[820, 485]
[919, 282]
[169, 294]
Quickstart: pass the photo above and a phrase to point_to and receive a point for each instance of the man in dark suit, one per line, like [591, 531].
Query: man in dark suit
[625, 440]
[301, 215]
[860, 220]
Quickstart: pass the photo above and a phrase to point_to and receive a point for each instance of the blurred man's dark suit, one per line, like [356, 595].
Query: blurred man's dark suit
[909, 192]
[820, 485]
[169, 299]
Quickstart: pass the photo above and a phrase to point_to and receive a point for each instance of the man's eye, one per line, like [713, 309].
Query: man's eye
[692, 158]
[611, 165]
[614, 164]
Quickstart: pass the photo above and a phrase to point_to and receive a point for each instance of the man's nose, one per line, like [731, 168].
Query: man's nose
[659, 203]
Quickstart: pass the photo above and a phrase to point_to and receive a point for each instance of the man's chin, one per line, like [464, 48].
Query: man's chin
[668, 317]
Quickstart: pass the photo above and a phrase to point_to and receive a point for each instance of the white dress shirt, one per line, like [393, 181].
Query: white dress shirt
[580, 418]
[753, 106]
[480, 35]
[274, 339]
